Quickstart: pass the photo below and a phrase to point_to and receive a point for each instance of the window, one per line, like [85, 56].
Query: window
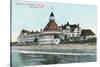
[56, 36]
[72, 35]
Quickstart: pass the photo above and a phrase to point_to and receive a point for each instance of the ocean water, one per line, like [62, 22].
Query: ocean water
[30, 58]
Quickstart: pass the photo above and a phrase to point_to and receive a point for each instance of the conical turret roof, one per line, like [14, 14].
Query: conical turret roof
[51, 26]
[51, 14]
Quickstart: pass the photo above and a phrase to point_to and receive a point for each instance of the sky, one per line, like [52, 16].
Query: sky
[34, 16]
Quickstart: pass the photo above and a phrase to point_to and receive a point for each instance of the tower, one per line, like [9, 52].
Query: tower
[51, 26]
[51, 17]
[50, 34]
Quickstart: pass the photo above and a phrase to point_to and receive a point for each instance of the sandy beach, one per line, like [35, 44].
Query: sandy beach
[83, 47]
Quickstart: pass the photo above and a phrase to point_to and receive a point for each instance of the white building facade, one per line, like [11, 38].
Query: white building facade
[70, 31]
[27, 37]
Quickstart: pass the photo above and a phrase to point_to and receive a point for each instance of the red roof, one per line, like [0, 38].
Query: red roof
[51, 26]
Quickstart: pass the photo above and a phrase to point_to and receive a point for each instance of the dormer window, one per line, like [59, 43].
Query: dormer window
[78, 29]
